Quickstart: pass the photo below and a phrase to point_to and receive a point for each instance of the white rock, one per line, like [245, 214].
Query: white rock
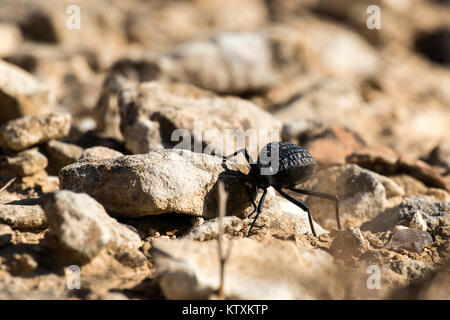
[279, 270]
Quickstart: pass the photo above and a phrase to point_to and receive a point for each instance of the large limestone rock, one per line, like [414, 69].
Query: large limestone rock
[158, 182]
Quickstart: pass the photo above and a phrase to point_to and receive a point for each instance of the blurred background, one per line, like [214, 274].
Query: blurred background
[311, 63]
[353, 81]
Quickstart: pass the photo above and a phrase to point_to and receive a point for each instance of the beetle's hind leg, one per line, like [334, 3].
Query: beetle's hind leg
[324, 196]
[301, 205]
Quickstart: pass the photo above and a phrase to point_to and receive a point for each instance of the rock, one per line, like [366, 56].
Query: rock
[61, 154]
[21, 94]
[5, 235]
[362, 193]
[411, 269]
[226, 63]
[279, 270]
[409, 239]
[82, 225]
[300, 131]
[23, 217]
[209, 230]
[341, 50]
[438, 194]
[106, 110]
[411, 185]
[418, 222]
[23, 264]
[286, 220]
[99, 153]
[385, 161]
[28, 162]
[434, 213]
[380, 159]
[331, 146]
[422, 171]
[153, 115]
[440, 156]
[158, 182]
[312, 102]
[313, 45]
[40, 182]
[11, 38]
[349, 243]
[28, 131]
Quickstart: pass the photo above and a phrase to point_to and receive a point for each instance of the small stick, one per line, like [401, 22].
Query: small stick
[222, 257]
[7, 184]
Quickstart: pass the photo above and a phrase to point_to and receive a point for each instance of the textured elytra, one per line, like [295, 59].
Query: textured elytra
[289, 164]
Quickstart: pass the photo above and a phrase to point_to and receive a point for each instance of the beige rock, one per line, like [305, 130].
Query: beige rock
[286, 219]
[21, 94]
[28, 131]
[161, 181]
[362, 193]
[106, 110]
[99, 153]
[328, 101]
[313, 102]
[82, 225]
[349, 243]
[225, 63]
[189, 269]
[152, 112]
[327, 46]
[61, 154]
[209, 230]
[28, 162]
[11, 39]
[21, 216]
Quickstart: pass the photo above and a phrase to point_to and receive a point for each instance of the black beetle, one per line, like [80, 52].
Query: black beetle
[282, 165]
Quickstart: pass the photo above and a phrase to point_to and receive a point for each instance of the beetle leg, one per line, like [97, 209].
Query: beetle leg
[301, 205]
[258, 211]
[243, 151]
[325, 196]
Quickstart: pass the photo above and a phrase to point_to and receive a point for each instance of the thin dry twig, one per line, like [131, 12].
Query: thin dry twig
[7, 184]
[223, 257]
